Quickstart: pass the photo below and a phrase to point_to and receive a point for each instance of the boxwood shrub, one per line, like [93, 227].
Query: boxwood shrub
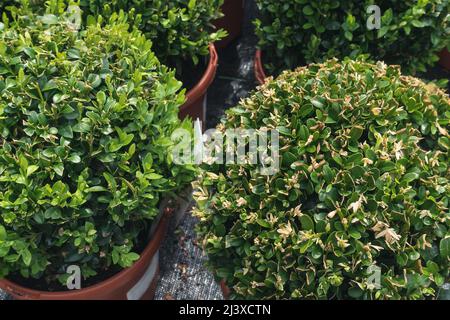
[360, 206]
[293, 33]
[36, 5]
[179, 29]
[85, 125]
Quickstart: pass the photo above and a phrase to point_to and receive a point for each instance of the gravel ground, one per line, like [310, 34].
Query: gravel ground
[2, 295]
[183, 275]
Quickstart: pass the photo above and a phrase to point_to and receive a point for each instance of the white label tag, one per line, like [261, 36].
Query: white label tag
[142, 286]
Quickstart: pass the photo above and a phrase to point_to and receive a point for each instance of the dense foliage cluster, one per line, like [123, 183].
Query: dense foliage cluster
[179, 29]
[85, 125]
[411, 33]
[363, 186]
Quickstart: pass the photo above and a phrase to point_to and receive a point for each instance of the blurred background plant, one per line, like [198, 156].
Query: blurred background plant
[179, 29]
[294, 33]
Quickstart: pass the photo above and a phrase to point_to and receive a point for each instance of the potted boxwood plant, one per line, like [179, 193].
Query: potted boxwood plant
[293, 33]
[85, 124]
[360, 205]
[182, 32]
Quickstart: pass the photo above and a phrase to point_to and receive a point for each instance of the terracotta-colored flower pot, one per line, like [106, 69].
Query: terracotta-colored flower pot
[232, 21]
[225, 290]
[445, 59]
[260, 74]
[135, 283]
[196, 98]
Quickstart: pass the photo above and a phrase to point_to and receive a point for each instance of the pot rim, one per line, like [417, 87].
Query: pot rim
[202, 86]
[231, 22]
[20, 292]
[260, 74]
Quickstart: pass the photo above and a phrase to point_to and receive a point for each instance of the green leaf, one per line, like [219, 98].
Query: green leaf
[82, 127]
[66, 132]
[303, 133]
[444, 248]
[96, 189]
[258, 189]
[316, 103]
[417, 24]
[49, 19]
[354, 233]
[154, 176]
[402, 259]
[31, 169]
[74, 158]
[23, 163]
[110, 180]
[59, 169]
[386, 166]
[308, 10]
[26, 256]
[148, 162]
[356, 133]
[263, 223]
[410, 177]
[414, 255]
[2, 233]
[355, 292]
[192, 4]
[348, 35]
[382, 32]
[53, 213]
[306, 222]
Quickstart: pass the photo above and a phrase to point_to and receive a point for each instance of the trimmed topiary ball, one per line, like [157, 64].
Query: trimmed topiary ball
[85, 125]
[410, 33]
[179, 29]
[360, 206]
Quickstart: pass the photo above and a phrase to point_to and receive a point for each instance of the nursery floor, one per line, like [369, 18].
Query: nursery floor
[183, 275]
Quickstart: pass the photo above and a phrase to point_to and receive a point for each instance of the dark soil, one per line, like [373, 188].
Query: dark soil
[190, 73]
[51, 284]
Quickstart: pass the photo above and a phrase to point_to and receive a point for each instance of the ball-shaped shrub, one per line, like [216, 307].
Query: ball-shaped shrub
[179, 29]
[360, 205]
[410, 34]
[85, 125]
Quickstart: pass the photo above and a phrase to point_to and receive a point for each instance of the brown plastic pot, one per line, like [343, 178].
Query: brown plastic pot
[225, 290]
[260, 74]
[445, 59]
[135, 283]
[232, 21]
[196, 98]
